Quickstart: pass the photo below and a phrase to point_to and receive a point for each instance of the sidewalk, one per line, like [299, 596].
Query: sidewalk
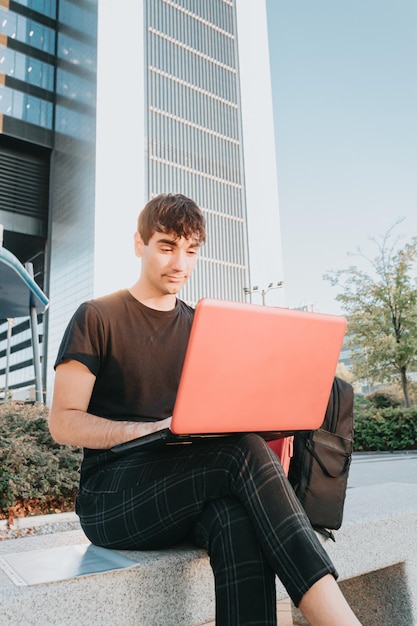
[284, 614]
[375, 468]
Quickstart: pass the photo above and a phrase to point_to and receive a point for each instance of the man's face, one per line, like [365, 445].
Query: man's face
[167, 262]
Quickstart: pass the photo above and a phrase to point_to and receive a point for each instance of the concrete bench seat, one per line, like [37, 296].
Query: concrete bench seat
[375, 553]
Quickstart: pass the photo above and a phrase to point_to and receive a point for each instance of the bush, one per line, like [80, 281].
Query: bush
[386, 397]
[385, 429]
[32, 465]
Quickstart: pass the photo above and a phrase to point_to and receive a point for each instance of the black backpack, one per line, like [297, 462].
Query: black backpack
[321, 460]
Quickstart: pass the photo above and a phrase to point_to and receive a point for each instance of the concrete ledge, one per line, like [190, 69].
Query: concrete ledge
[22, 523]
[375, 553]
[168, 587]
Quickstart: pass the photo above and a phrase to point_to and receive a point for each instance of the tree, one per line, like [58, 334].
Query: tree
[381, 311]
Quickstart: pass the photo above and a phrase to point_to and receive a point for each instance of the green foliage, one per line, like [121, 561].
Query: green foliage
[381, 311]
[385, 429]
[32, 465]
[385, 397]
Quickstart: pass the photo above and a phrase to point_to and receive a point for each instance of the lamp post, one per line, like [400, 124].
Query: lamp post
[263, 292]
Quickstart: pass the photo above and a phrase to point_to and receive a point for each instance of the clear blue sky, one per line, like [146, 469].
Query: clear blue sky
[344, 80]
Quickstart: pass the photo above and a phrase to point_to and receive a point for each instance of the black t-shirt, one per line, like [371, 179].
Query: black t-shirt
[136, 354]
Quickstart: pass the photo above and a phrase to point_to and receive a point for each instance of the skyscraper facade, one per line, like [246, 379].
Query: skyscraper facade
[182, 104]
[194, 135]
[47, 156]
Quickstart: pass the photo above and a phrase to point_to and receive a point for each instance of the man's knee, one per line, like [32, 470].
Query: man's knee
[225, 524]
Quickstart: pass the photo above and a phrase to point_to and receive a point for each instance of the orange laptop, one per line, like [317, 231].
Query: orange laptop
[252, 368]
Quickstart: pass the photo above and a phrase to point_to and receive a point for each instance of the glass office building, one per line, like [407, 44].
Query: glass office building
[47, 145]
[127, 100]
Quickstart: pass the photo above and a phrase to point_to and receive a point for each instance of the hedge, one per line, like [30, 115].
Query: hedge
[384, 429]
[32, 465]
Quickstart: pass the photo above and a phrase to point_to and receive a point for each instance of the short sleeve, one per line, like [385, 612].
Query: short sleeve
[84, 339]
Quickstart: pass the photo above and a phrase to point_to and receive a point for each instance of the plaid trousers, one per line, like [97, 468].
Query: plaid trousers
[229, 496]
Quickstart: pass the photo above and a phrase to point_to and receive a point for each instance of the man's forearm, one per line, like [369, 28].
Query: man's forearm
[78, 428]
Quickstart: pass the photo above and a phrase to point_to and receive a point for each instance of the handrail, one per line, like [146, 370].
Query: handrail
[19, 292]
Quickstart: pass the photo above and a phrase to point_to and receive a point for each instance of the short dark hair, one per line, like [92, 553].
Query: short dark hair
[172, 213]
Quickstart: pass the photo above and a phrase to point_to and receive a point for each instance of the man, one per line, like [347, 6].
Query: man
[117, 374]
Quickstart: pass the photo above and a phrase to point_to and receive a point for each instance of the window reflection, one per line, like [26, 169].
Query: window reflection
[25, 107]
[46, 7]
[27, 69]
[27, 31]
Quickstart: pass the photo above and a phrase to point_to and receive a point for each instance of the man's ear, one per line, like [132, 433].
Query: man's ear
[138, 244]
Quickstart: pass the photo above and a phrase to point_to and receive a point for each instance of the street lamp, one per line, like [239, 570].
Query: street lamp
[263, 292]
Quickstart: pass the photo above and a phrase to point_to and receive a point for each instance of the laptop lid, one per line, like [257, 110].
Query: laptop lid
[253, 368]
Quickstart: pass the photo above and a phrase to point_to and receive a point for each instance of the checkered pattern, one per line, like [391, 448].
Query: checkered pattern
[229, 496]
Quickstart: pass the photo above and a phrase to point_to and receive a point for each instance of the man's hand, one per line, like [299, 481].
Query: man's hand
[166, 423]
